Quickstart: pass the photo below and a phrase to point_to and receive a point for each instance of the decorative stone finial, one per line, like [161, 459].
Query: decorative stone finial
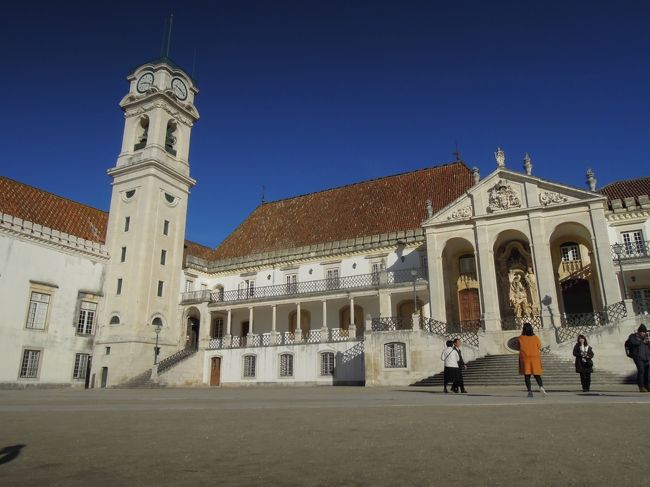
[429, 208]
[528, 164]
[591, 180]
[476, 175]
[500, 156]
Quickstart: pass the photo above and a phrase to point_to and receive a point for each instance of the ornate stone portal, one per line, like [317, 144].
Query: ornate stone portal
[518, 293]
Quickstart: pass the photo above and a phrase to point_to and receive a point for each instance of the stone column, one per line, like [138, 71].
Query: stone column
[204, 326]
[227, 339]
[385, 306]
[436, 284]
[298, 332]
[274, 332]
[609, 285]
[250, 321]
[487, 279]
[352, 327]
[324, 331]
[544, 272]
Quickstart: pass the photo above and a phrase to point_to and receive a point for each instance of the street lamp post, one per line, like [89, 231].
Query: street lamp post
[618, 250]
[157, 329]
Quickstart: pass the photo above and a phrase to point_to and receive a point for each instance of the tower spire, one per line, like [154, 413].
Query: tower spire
[165, 45]
[169, 34]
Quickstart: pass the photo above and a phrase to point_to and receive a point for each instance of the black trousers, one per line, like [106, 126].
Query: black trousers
[642, 367]
[585, 380]
[538, 379]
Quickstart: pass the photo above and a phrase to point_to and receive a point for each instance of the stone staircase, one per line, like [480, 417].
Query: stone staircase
[503, 370]
[143, 380]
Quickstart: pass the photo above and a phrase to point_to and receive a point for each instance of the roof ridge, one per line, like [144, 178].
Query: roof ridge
[446, 164]
[52, 194]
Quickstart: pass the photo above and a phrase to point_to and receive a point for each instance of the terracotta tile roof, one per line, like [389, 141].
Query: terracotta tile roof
[47, 209]
[197, 250]
[383, 205]
[629, 188]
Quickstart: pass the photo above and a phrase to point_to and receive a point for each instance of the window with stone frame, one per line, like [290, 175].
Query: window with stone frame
[37, 314]
[327, 363]
[80, 366]
[286, 365]
[633, 242]
[86, 318]
[249, 365]
[332, 278]
[570, 252]
[395, 355]
[292, 282]
[29, 364]
[467, 265]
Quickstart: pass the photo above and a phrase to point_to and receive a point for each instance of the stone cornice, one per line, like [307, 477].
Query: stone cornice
[626, 216]
[34, 232]
[288, 257]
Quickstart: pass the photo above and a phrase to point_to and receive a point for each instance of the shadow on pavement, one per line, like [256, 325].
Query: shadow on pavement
[9, 453]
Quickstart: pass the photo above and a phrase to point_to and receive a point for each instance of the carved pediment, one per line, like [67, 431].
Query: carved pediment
[502, 196]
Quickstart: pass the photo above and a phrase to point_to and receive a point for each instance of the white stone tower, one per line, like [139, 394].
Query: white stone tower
[146, 225]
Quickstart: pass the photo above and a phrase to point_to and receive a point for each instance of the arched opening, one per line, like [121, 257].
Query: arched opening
[142, 133]
[518, 293]
[115, 320]
[193, 325]
[305, 321]
[575, 269]
[461, 286]
[405, 310]
[170, 137]
[345, 318]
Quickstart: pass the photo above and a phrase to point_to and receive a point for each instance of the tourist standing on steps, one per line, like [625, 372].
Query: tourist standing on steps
[584, 363]
[637, 347]
[530, 358]
[457, 372]
[444, 356]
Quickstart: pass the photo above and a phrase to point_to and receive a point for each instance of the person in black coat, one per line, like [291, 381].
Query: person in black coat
[584, 363]
[637, 347]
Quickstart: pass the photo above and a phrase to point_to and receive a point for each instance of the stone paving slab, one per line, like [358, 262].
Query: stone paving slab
[323, 436]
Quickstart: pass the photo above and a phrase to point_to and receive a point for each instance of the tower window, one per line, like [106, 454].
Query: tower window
[123, 257]
[142, 133]
[119, 286]
[170, 138]
[163, 257]
[127, 222]
[161, 284]
[166, 227]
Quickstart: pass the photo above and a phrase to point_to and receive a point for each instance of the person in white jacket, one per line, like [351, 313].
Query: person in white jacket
[454, 364]
[445, 356]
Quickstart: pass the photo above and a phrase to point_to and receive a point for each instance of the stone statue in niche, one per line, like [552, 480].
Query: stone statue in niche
[533, 295]
[524, 301]
[503, 197]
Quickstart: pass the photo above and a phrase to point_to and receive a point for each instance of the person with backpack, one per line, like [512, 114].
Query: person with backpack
[637, 347]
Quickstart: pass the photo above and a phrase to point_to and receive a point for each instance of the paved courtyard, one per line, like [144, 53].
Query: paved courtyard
[323, 436]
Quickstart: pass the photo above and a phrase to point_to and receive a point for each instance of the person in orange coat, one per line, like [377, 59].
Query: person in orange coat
[530, 358]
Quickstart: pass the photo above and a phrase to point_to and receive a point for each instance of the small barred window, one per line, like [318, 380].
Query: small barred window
[327, 363]
[395, 355]
[286, 365]
[29, 366]
[249, 366]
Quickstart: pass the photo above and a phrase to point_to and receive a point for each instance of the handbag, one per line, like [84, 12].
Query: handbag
[587, 363]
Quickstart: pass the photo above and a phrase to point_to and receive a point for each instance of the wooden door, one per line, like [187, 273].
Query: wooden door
[469, 307]
[215, 371]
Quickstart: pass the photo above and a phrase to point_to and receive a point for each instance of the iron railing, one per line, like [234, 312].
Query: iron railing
[392, 323]
[516, 323]
[283, 338]
[632, 250]
[461, 329]
[321, 286]
[584, 323]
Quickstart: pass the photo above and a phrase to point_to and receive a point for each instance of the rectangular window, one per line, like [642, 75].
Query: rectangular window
[376, 268]
[249, 366]
[123, 257]
[217, 328]
[29, 366]
[570, 253]
[246, 289]
[333, 281]
[189, 286]
[166, 227]
[292, 283]
[37, 315]
[641, 299]
[119, 286]
[467, 265]
[286, 365]
[395, 355]
[80, 366]
[108, 350]
[160, 288]
[424, 265]
[633, 242]
[87, 312]
[127, 223]
[327, 363]
[163, 257]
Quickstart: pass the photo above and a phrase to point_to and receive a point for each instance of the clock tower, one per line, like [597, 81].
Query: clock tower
[146, 226]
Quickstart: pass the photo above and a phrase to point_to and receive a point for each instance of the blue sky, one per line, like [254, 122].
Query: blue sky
[299, 96]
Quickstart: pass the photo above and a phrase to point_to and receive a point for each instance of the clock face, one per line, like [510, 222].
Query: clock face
[180, 90]
[145, 82]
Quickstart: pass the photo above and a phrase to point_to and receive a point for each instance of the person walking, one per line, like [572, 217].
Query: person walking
[584, 363]
[530, 358]
[457, 372]
[637, 347]
[444, 356]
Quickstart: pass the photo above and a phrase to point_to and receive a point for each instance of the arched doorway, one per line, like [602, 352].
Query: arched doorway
[305, 321]
[576, 295]
[192, 329]
[461, 286]
[405, 310]
[344, 318]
